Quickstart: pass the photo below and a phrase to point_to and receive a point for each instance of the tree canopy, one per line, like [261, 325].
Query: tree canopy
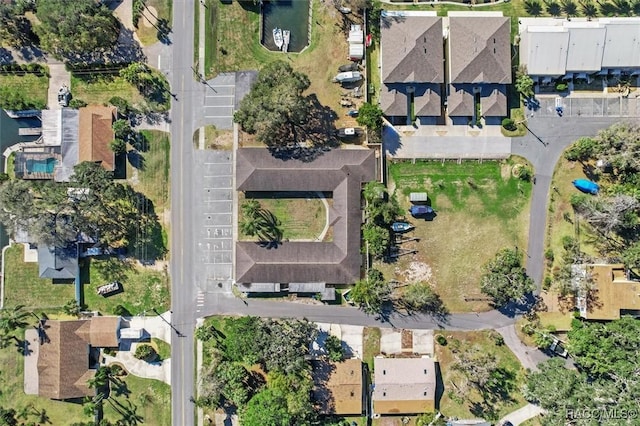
[96, 206]
[371, 293]
[275, 105]
[505, 280]
[370, 115]
[607, 375]
[74, 28]
[15, 29]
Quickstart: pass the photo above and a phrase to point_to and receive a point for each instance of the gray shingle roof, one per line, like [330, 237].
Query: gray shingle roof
[479, 49]
[58, 263]
[412, 48]
[427, 101]
[341, 172]
[493, 100]
[460, 100]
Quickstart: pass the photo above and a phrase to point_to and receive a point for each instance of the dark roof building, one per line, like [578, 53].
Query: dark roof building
[341, 172]
[412, 63]
[58, 263]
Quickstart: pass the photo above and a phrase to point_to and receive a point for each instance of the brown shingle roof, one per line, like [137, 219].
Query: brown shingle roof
[63, 358]
[95, 134]
[63, 361]
[338, 386]
[412, 49]
[479, 49]
[404, 385]
[341, 172]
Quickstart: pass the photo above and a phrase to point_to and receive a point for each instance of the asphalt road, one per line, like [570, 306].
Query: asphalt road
[188, 96]
[543, 145]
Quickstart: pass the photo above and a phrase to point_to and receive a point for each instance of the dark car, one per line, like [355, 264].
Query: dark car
[420, 211]
[348, 67]
[350, 132]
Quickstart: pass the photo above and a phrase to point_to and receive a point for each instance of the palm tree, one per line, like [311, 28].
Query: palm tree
[589, 9]
[553, 7]
[249, 226]
[623, 7]
[569, 7]
[251, 208]
[607, 9]
[10, 321]
[533, 7]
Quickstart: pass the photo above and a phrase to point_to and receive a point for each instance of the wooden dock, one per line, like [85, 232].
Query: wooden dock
[286, 34]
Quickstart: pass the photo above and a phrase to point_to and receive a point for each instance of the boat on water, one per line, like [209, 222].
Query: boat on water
[401, 226]
[286, 35]
[277, 37]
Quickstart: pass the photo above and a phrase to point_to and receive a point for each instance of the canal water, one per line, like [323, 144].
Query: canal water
[292, 15]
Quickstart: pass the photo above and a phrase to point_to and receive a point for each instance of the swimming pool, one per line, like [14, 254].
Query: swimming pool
[41, 166]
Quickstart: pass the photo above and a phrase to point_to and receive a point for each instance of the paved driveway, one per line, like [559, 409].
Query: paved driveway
[588, 107]
[213, 219]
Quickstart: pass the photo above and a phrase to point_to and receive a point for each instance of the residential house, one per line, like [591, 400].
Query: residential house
[553, 48]
[67, 356]
[412, 61]
[404, 386]
[79, 135]
[339, 172]
[479, 65]
[58, 263]
[338, 387]
[614, 294]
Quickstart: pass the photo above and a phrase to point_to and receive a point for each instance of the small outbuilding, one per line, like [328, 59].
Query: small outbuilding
[418, 197]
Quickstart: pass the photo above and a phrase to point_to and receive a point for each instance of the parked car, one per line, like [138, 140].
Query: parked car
[64, 96]
[348, 132]
[420, 211]
[352, 113]
[348, 67]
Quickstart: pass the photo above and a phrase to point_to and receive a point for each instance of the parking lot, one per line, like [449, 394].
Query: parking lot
[587, 107]
[213, 217]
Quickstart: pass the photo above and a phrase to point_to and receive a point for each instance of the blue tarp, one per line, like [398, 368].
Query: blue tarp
[587, 186]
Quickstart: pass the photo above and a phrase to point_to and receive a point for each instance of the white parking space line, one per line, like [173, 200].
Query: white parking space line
[220, 96]
[217, 213]
[217, 163]
[218, 116]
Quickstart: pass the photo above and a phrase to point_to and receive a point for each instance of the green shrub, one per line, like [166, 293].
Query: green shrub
[77, 103]
[441, 340]
[525, 174]
[509, 124]
[548, 254]
[146, 353]
[498, 339]
[546, 284]
[561, 87]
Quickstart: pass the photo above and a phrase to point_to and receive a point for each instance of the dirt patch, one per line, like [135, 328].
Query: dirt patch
[505, 171]
[407, 339]
[417, 271]
[149, 16]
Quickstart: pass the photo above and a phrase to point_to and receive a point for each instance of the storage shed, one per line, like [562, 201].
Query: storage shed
[356, 51]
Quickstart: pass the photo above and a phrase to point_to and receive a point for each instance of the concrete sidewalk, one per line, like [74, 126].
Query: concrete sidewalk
[523, 414]
[158, 371]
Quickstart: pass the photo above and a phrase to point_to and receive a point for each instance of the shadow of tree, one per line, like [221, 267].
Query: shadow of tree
[136, 159]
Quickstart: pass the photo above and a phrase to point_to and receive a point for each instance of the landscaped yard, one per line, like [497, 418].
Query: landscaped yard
[98, 89]
[22, 286]
[32, 87]
[453, 406]
[371, 345]
[480, 209]
[238, 47]
[155, 20]
[151, 397]
[302, 215]
[145, 288]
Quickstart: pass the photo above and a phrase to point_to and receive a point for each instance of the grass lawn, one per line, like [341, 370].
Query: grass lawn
[453, 407]
[98, 89]
[153, 178]
[302, 215]
[516, 115]
[152, 397]
[371, 345]
[33, 87]
[22, 286]
[11, 162]
[144, 289]
[147, 31]
[481, 208]
[239, 48]
[162, 347]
